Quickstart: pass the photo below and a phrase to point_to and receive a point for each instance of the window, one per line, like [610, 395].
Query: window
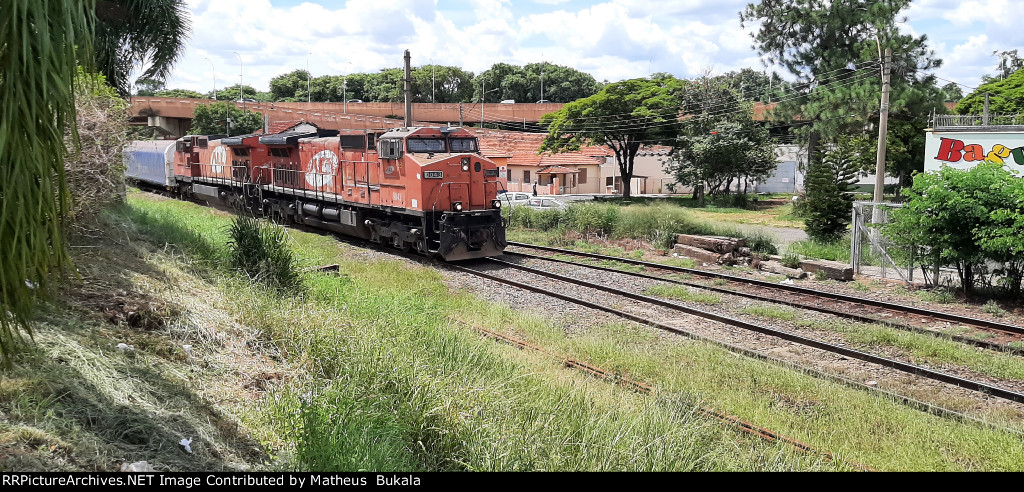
[390, 148]
[279, 152]
[241, 151]
[526, 176]
[353, 142]
[421, 145]
[583, 175]
[462, 144]
[608, 181]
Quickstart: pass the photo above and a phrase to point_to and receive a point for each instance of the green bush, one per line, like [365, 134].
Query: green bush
[656, 224]
[259, 249]
[966, 218]
[829, 193]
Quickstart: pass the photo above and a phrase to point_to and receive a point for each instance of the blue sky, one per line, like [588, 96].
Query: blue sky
[611, 39]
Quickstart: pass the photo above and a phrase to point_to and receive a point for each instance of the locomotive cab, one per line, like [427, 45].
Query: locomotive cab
[456, 189]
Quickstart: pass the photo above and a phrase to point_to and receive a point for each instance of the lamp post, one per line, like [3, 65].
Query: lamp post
[308, 75]
[344, 88]
[214, 77]
[227, 108]
[241, 87]
[432, 98]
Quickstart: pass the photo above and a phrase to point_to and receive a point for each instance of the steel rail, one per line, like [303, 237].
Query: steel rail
[955, 318]
[856, 354]
[844, 314]
[918, 404]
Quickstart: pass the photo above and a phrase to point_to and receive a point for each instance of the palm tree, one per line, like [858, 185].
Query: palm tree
[138, 32]
[42, 42]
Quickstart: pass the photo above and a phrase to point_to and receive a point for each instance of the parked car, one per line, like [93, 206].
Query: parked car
[508, 101]
[543, 101]
[546, 204]
[513, 198]
[355, 100]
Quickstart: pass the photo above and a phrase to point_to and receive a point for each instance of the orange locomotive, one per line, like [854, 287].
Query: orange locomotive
[422, 188]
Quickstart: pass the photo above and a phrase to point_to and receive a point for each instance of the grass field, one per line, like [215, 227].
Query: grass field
[368, 370]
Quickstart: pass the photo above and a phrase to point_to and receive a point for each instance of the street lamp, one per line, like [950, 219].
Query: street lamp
[344, 88]
[432, 99]
[227, 108]
[214, 77]
[308, 96]
[241, 87]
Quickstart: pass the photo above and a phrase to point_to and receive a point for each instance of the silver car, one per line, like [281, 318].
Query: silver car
[546, 204]
[513, 198]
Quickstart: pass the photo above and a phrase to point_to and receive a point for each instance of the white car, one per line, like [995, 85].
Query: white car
[513, 198]
[546, 204]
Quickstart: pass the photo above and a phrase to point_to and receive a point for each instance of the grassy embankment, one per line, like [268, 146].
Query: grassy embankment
[367, 371]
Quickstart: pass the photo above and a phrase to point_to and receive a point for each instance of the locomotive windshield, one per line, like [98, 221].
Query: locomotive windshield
[434, 145]
[462, 144]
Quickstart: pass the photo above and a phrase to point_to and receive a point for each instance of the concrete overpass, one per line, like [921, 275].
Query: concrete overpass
[174, 115]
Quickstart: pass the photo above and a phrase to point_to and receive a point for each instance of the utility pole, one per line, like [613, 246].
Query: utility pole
[308, 96]
[883, 127]
[483, 97]
[985, 117]
[460, 116]
[408, 89]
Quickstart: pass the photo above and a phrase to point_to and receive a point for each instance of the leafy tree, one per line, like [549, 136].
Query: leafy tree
[180, 93]
[965, 217]
[830, 46]
[753, 85]
[523, 84]
[145, 86]
[127, 33]
[288, 85]
[40, 46]
[232, 93]
[1005, 97]
[622, 116]
[209, 119]
[829, 183]
[719, 142]
[1009, 63]
[442, 83]
[952, 92]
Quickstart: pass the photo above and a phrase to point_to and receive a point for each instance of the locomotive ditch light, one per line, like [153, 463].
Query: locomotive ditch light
[496, 203]
[457, 206]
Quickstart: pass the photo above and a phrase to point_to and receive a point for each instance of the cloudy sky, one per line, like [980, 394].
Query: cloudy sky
[612, 39]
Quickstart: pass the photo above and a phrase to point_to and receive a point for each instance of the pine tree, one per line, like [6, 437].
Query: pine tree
[829, 183]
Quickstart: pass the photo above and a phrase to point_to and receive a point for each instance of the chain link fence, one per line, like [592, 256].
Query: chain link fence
[872, 254]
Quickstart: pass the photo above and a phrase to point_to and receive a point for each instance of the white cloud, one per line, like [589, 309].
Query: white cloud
[611, 39]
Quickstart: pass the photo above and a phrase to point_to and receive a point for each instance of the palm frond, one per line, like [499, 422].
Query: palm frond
[40, 42]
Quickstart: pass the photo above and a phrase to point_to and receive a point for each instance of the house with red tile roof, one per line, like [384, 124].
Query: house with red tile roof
[523, 167]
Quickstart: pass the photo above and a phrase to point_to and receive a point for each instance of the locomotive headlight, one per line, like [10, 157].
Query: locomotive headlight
[496, 203]
[465, 163]
[457, 206]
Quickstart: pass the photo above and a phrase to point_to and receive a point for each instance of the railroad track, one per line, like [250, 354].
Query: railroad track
[898, 316]
[977, 386]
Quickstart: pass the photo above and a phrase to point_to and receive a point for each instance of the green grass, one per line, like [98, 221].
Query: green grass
[771, 311]
[933, 350]
[838, 250]
[382, 378]
[656, 224]
[938, 295]
[684, 293]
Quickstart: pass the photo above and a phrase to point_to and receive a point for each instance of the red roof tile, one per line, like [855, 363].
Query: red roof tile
[521, 150]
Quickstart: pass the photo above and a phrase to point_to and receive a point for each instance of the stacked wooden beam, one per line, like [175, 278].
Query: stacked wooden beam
[713, 249]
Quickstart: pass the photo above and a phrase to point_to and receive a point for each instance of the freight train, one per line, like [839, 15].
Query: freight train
[426, 189]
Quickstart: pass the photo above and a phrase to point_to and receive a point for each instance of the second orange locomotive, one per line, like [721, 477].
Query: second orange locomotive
[423, 188]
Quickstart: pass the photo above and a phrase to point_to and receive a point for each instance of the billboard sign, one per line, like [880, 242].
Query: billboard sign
[965, 149]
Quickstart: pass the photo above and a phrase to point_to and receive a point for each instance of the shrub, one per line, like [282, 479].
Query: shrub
[965, 218]
[829, 193]
[259, 249]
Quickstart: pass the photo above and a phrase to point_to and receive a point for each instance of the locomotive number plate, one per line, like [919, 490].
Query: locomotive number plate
[490, 173]
[433, 174]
